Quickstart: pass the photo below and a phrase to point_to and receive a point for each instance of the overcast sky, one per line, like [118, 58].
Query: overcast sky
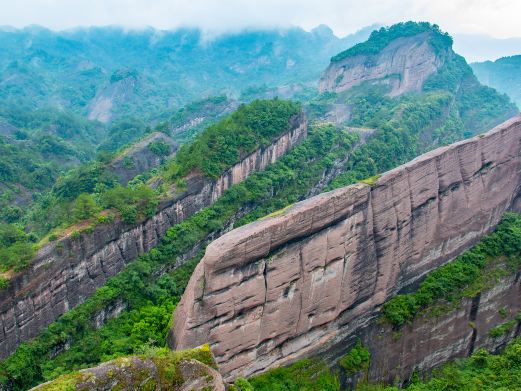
[498, 18]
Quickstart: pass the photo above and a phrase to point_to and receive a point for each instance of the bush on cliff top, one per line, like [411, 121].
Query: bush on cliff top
[379, 39]
[225, 143]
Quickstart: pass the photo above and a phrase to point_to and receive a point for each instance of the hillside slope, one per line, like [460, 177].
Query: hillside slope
[503, 74]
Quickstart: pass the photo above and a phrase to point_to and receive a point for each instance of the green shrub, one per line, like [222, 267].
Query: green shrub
[160, 148]
[304, 375]
[222, 145]
[357, 360]
[502, 329]
[4, 282]
[132, 203]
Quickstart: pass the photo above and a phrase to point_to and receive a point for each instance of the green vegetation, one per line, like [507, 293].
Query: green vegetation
[481, 372]
[404, 127]
[304, 375]
[371, 181]
[16, 248]
[160, 148]
[225, 143]
[149, 300]
[463, 276]
[83, 192]
[357, 360]
[132, 203]
[165, 361]
[502, 329]
[379, 39]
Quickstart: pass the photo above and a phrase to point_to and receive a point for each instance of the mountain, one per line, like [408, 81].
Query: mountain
[480, 47]
[414, 58]
[74, 96]
[107, 72]
[503, 74]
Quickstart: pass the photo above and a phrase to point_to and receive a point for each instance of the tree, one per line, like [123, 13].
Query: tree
[84, 207]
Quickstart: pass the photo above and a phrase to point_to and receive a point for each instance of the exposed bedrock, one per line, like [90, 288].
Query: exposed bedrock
[67, 272]
[295, 285]
[403, 65]
[430, 341]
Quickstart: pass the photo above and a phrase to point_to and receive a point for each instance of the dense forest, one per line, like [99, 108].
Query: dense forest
[107, 73]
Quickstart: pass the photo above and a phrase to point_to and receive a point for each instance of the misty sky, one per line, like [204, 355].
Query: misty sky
[498, 18]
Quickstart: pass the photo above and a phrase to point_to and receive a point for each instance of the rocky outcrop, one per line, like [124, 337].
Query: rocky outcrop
[179, 371]
[433, 340]
[142, 157]
[67, 272]
[297, 284]
[403, 65]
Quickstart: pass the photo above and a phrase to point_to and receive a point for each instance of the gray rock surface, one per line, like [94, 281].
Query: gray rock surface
[290, 286]
[168, 371]
[403, 65]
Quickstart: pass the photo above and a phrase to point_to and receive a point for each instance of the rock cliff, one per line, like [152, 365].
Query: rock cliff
[430, 341]
[403, 65]
[295, 285]
[67, 272]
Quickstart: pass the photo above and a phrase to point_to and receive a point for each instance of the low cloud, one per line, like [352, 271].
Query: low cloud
[497, 18]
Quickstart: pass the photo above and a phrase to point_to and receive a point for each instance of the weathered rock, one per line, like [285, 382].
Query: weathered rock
[403, 65]
[180, 371]
[430, 341]
[140, 158]
[290, 286]
[65, 273]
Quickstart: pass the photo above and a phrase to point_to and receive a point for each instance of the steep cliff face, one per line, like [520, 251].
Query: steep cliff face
[297, 284]
[65, 273]
[403, 65]
[430, 341]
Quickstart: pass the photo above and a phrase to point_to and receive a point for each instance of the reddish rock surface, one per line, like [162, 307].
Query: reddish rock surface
[290, 286]
[65, 273]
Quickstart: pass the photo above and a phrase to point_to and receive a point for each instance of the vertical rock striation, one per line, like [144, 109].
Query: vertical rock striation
[430, 341]
[403, 65]
[297, 284]
[66, 273]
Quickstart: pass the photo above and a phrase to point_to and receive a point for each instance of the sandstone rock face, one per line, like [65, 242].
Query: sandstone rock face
[297, 284]
[140, 158]
[403, 65]
[430, 341]
[66, 273]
